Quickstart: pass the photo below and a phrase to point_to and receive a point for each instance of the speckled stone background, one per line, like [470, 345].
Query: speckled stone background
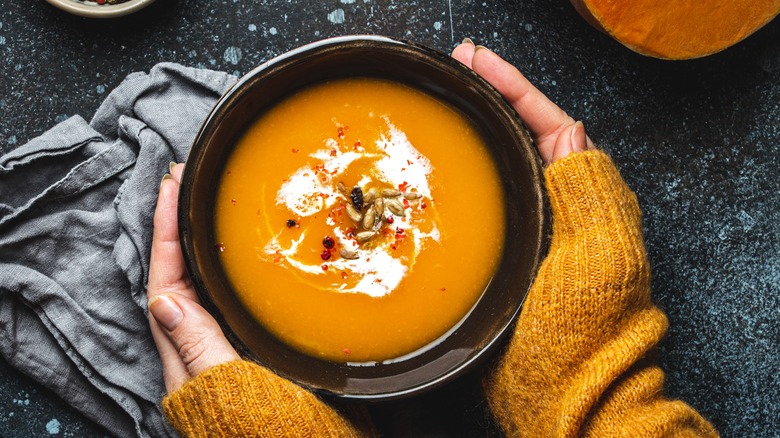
[697, 140]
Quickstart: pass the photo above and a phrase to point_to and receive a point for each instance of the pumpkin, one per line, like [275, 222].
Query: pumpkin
[678, 29]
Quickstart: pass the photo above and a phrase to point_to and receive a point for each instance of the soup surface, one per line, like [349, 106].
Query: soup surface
[360, 220]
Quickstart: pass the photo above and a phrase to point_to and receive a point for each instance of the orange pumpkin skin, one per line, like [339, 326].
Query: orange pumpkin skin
[678, 29]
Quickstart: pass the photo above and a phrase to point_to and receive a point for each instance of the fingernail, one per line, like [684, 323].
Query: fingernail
[165, 177]
[467, 40]
[481, 47]
[578, 141]
[166, 312]
[170, 166]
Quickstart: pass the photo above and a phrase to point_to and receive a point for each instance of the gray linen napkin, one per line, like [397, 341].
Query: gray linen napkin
[76, 207]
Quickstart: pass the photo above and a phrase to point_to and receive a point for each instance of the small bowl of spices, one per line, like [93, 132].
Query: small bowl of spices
[100, 8]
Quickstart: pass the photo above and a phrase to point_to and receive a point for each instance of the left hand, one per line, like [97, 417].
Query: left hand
[188, 338]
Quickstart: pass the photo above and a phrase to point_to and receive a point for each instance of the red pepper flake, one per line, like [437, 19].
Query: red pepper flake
[277, 257]
[390, 219]
[324, 267]
[403, 186]
[220, 247]
[325, 254]
[358, 144]
[228, 172]
[347, 351]
[333, 153]
[423, 205]
[406, 203]
[394, 247]
[295, 151]
[233, 201]
[399, 231]
[409, 162]
[344, 274]
[340, 131]
[443, 289]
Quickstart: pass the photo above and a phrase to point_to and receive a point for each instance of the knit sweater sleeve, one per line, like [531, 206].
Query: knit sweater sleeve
[242, 399]
[577, 364]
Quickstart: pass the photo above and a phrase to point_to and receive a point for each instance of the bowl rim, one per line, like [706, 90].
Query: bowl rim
[83, 9]
[234, 93]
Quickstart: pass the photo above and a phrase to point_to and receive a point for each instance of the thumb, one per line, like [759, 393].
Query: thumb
[195, 334]
[571, 139]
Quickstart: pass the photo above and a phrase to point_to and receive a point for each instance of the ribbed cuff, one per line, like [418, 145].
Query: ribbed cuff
[586, 189]
[199, 406]
[240, 399]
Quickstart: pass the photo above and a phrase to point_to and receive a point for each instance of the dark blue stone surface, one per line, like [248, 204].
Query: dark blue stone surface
[697, 140]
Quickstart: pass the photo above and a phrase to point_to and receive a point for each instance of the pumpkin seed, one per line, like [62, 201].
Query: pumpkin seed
[369, 196]
[390, 193]
[369, 218]
[348, 254]
[343, 189]
[354, 214]
[395, 207]
[379, 206]
[365, 236]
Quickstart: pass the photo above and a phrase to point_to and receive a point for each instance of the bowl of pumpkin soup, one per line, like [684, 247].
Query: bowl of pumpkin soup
[363, 216]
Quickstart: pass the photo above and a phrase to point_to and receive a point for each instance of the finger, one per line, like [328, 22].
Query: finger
[175, 373]
[579, 139]
[176, 171]
[563, 144]
[194, 333]
[464, 52]
[571, 139]
[544, 119]
[166, 267]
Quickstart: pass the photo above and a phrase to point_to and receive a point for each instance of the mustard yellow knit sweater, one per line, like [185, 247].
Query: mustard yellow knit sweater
[576, 365]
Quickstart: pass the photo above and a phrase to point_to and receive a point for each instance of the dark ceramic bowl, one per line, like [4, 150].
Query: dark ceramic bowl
[482, 330]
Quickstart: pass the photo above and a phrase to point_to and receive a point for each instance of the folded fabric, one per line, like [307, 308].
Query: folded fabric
[76, 208]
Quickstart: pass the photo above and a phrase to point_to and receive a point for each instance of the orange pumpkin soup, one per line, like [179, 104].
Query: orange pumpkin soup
[360, 220]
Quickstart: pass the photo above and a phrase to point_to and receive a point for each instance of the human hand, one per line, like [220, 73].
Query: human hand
[188, 338]
[576, 361]
[555, 133]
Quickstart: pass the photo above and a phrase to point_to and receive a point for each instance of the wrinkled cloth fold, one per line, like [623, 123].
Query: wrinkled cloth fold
[76, 208]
